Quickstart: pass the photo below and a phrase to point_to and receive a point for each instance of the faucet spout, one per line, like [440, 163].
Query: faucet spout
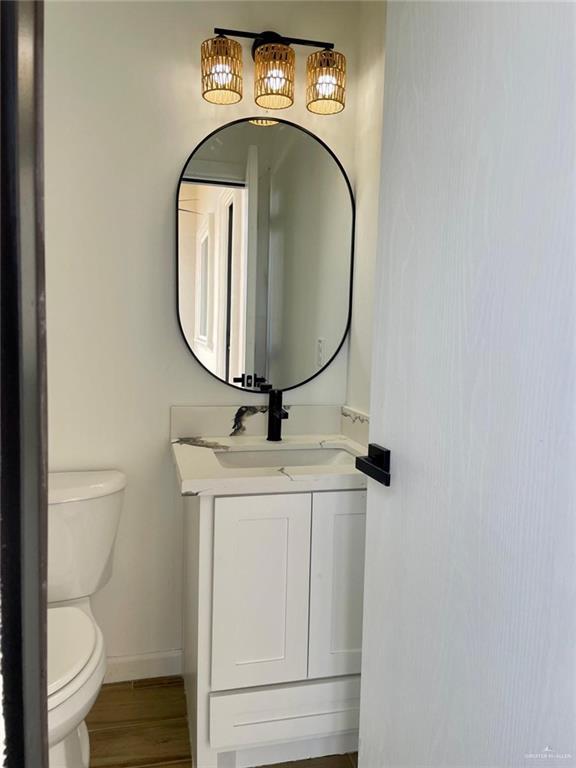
[276, 414]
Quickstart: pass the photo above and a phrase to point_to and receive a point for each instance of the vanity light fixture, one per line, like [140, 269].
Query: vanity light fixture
[274, 68]
[326, 78]
[221, 70]
[274, 72]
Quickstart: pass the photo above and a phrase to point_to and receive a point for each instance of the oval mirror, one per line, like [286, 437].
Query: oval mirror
[265, 250]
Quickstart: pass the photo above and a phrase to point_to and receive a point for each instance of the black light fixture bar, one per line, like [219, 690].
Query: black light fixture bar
[265, 37]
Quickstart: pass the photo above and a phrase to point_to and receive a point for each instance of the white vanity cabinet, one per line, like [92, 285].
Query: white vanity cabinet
[273, 624]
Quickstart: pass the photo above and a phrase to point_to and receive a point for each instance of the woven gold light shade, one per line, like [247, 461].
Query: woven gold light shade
[326, 82]
[221, 70]
[263, 122]
[274, 76]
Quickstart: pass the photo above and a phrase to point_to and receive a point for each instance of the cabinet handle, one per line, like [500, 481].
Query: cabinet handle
[376, 465]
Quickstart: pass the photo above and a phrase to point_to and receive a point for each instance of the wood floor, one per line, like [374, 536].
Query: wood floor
[143, 725]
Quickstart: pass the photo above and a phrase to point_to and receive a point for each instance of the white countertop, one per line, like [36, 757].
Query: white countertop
[201, 474]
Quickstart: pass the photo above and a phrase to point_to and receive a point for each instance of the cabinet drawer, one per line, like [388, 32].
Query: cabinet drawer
[282, 713]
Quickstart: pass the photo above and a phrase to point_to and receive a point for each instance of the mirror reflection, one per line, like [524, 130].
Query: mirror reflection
[265, 228]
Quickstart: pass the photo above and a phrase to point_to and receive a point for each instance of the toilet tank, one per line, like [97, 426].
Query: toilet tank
[83, 513]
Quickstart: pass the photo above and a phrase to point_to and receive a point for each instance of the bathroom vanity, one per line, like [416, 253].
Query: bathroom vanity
[274, 560]
[273, 528]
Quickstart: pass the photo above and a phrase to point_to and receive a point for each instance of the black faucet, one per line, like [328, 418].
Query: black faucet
[275, 414]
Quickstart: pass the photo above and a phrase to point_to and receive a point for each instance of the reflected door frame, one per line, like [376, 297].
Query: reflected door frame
[218, 249]
[231, 213]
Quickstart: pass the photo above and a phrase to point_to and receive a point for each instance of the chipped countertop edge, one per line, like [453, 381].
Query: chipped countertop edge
[354, 415]
[200, 473]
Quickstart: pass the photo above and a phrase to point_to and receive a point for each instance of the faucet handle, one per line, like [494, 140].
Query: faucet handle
[245, 379]
[249, 380]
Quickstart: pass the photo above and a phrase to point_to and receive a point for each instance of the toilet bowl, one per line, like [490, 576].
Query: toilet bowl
[83, 513]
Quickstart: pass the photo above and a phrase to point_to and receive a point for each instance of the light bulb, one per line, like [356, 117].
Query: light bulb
[222, 74]
[275, 80]
[326, 86]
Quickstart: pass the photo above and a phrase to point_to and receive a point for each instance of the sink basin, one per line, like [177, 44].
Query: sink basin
[285, 457]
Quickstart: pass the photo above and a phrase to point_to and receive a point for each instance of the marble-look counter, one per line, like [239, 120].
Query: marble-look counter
[201, 474]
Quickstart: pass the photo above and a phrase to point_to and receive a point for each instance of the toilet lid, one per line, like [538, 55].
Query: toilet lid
[71, 642]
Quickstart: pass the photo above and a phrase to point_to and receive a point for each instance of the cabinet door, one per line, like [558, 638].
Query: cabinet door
[261, 589]
[337, 583]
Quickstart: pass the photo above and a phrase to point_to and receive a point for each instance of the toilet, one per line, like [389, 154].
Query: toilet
[83, 513]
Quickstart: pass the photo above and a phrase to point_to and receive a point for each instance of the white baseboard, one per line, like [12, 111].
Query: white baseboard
[337, 744]
[144, 665]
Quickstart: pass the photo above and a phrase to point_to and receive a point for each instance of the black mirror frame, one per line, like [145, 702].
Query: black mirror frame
[352, 243]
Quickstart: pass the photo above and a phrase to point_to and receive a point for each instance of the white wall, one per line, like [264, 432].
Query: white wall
[123, 112]
[370, 27]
